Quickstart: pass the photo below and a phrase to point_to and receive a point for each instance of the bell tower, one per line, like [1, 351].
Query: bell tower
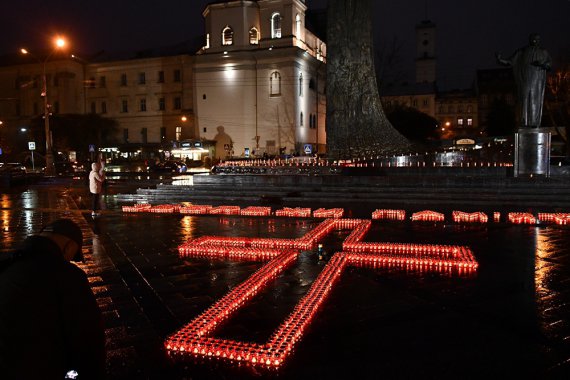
[425, 46]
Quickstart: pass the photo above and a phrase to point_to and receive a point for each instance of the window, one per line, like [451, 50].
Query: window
[207, 41]
[92, 82]
[162, 134]
[126, 135]
[301, 119]
[102, 81]
[103, 107]
[460, 121]
[123, 79]
[177, 75]
[470, 122]
[142, 105]
[298, 26]
[275, 84]
[460, 109]
[177, 103]
[124, 106]
[301, 84]
[440, 110]
[227, 36]
[144, 135]
[253, 36]
[93, 107]
[160, 77]
[276, 25]
[426, 102]
[142, 78]
[161, 104]
[450, 109]
[469, 109]
[312, 121]
[414, 102]
[311, 84]
[178, 133]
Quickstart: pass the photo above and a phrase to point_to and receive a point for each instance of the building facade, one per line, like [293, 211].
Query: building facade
[256, 87]
[151, 98]
[259, 81]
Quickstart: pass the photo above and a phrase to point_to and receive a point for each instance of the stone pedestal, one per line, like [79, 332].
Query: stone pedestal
[532, 152]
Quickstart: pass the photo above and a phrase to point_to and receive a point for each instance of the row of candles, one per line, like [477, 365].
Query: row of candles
[271, 163]
[386, 214]
[194, 338]
[379, 214]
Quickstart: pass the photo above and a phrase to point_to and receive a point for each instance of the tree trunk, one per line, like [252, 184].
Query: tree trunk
[356, 123]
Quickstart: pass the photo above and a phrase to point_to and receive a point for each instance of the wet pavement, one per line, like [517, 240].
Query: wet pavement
[508, 319]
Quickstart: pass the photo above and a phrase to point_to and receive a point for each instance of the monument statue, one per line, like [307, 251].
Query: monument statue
[356, 123]
[530, 64]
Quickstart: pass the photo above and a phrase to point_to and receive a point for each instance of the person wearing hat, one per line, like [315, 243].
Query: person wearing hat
[50, 323]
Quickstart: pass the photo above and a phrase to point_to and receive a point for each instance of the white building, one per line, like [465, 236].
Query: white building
[259, 81]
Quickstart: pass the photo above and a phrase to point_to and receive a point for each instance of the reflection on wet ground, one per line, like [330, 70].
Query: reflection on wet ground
[510, 319]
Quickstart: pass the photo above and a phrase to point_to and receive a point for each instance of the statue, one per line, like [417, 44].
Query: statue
[530, 64]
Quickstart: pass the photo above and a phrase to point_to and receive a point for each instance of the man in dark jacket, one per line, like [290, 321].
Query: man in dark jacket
[50, 323]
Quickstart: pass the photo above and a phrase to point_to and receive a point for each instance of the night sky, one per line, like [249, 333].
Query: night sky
[469, 31]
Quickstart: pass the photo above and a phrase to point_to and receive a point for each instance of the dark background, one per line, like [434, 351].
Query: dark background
[469, 31]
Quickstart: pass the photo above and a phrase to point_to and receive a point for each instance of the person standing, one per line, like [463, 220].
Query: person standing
[50, 323]
[95, 188]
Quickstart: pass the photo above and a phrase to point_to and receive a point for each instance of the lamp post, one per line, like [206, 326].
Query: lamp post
[58, 44]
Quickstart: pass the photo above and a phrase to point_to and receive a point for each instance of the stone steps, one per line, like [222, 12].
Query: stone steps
[497, 193]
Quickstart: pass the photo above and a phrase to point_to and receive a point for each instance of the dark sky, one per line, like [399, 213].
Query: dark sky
[469, 31]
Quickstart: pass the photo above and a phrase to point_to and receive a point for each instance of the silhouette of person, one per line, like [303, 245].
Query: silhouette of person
[530, 64]
[50, 323]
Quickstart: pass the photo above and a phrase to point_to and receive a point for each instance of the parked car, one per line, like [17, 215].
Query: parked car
[169, 166]
[69, 168]
[13, 169]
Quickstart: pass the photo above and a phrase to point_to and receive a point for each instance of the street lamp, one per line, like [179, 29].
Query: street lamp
[59, 43]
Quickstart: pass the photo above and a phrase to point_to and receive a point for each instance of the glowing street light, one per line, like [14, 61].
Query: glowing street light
[59, 43]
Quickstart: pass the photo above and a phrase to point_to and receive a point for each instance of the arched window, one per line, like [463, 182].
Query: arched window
[227, 36]
[301, 84]
[253, 36]
[275, 84]
[298, 26]
[276, 25]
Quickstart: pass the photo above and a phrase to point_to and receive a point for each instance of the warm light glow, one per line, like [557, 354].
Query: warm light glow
[24, 51]
[196, 338]
[59, 42]
[183, 118]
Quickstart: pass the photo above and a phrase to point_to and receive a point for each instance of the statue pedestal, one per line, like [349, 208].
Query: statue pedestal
[532, 152]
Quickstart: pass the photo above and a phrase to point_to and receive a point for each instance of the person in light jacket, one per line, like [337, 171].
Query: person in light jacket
[95, 187]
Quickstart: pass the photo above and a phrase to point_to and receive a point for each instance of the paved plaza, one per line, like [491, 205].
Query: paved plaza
[508, 319]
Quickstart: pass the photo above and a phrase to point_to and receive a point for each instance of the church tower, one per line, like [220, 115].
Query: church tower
[425, 60]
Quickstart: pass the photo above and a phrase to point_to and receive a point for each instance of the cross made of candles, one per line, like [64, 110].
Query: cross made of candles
[196, 339]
